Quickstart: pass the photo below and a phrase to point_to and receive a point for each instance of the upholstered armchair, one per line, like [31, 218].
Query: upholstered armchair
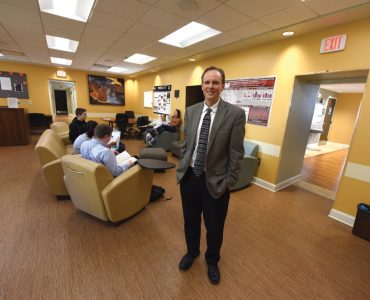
[249, 166]
[94, 190]
[165, 139]
[49, 150]
[62, 129]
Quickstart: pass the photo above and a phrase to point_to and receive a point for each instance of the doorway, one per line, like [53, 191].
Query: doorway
[62, 97]
[327, 120]
[300, 115]
[61, 106]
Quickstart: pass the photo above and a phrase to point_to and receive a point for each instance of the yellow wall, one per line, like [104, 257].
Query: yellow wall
[344, 118]
[284, 59]
[38, 88]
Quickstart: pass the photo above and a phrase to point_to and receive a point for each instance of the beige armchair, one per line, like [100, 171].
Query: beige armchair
[94, 190]
[62, 129]
[49, 149]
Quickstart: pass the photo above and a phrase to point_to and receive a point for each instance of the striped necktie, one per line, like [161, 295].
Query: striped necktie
[200, 160]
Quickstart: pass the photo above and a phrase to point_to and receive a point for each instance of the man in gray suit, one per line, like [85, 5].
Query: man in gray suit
[210, 163]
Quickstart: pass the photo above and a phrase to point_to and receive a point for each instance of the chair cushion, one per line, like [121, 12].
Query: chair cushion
[153, 153]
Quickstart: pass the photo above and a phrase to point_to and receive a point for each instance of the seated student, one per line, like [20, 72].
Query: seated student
[97, 150]
[172, 126]
[87, 135]
[154, 125]
[78, 124]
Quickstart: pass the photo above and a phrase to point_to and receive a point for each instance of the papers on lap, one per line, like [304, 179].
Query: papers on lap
[124, 158]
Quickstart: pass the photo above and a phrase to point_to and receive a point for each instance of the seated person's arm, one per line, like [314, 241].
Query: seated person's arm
[110, 162]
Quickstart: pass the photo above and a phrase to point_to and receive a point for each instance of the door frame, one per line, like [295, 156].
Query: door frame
[64, 85]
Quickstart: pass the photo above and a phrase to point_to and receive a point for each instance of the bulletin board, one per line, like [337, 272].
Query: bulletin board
[254, 95]
[162, 99]
[13, 85]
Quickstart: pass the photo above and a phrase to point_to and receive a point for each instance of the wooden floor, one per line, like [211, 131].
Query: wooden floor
[277, 245]
[324, 170]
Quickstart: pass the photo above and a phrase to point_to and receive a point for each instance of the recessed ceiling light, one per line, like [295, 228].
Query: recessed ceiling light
[139, 59]
[191, 59]
[72, 9]
[62, 44]
[61, 61]
[1, 54]
[288, 33]
[117, 70]
[189, 34]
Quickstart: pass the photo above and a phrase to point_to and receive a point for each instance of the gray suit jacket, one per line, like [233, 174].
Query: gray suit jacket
[225, 146]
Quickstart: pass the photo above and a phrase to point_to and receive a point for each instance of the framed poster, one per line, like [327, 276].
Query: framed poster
[106, 90]
[14, 85]
[162, 99]
[254, 95]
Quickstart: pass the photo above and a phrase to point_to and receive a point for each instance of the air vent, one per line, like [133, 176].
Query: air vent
[101, 66]
[10, 52]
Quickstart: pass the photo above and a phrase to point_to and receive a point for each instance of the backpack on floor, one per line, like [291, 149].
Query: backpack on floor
[157, 192]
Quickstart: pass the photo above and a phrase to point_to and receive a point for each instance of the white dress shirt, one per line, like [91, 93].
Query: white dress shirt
[213, 114]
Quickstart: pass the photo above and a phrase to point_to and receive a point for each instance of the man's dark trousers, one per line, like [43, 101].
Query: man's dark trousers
[197, 200]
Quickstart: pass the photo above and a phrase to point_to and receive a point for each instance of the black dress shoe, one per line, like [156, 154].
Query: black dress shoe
[214, 274]
[186, 262]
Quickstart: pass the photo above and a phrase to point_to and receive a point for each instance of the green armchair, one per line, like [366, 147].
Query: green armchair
[249, 166]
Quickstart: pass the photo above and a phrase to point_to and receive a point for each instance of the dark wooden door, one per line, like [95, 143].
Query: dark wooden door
[61, 106]
[327, 119]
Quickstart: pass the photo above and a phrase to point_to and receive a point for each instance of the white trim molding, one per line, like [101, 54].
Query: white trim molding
[357, 171]
[101, 115]
[342, 217]
[265, 148]
[276, 187]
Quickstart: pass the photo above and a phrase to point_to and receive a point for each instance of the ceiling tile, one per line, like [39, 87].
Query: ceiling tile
[221, 40]
[62, 27]
[131, 9]
[131, 41]
[109, 21]
[147, 32]
[250, 29]
[22, 3]
[293, 15]
[223, 19]
[259, 8]
[327, 6]
[191, 11]
[162, 19]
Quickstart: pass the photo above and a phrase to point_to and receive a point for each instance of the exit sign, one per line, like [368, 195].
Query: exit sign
[333, 43]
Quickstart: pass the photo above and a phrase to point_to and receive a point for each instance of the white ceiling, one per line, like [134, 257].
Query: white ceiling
[345, 87]
[119, 28]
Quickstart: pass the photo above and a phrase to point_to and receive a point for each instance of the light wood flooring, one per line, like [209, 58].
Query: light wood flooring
[324, 170]
[277, 245]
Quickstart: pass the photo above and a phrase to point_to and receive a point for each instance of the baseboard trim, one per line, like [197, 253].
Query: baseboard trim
[264, 184]
[275, 187]
[342, 217]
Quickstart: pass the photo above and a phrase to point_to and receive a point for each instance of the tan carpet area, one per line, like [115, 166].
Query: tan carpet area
[277, 245]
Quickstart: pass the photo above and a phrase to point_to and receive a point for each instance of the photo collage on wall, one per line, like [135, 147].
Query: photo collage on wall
[254, 95]
[162, 99]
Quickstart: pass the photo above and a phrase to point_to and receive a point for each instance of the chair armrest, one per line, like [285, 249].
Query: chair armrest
[128, 193]
[64, 136]
[53, 173]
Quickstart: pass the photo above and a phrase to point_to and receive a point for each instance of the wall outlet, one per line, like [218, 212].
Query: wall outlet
[30, 102]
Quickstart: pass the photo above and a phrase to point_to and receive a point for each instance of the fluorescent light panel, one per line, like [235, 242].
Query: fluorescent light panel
[139, 59]
[61, 61]
[1, 54]
[117, 70]
[189, 34]
[72, 9]
[62, 44]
